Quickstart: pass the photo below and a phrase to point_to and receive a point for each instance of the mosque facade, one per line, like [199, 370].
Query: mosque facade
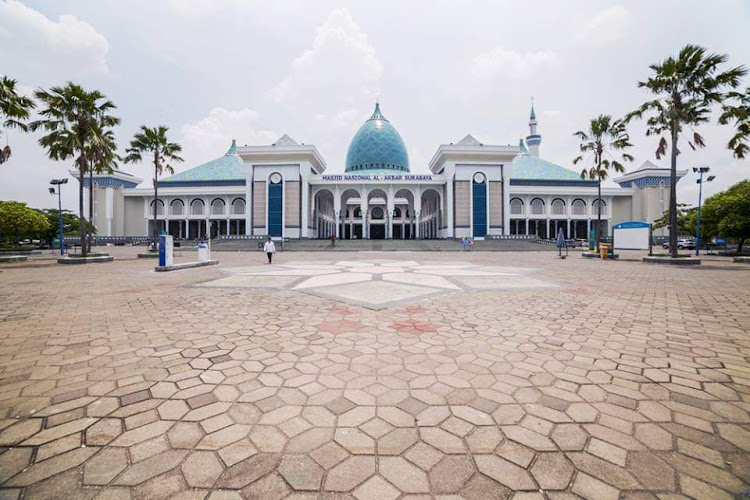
[469, 189]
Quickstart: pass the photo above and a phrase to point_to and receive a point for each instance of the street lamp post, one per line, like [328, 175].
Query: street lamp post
[59, 183]
[700, 182]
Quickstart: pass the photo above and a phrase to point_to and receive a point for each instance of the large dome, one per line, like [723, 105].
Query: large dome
[377, 146]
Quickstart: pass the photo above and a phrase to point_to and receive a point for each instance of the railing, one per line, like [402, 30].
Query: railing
[241, 237]
[510, 237]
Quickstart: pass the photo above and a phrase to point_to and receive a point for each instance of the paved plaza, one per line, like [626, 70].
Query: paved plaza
[375, 376]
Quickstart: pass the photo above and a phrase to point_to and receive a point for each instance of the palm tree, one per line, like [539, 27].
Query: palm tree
[739, 114]
[102, 158]
[13, 109]
[153, 140]
[685, 88]
[605, 139]
[76, 120]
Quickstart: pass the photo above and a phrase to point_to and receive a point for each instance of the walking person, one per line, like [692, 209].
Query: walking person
[270, 249]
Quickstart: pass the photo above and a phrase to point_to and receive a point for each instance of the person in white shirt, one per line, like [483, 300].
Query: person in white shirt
[270, 249]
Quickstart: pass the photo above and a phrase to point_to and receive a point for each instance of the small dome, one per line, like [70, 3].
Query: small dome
[377, 146]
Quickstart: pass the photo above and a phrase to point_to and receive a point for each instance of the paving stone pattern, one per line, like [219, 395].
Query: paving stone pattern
[583, 379]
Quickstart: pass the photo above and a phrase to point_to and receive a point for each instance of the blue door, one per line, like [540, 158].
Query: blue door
[479, 204]
[275, 207]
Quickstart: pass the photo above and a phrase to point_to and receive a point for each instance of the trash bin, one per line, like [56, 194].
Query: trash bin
[202, 252]
[604, 249]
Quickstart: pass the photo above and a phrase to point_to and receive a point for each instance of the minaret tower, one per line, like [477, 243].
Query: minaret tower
[533, 139]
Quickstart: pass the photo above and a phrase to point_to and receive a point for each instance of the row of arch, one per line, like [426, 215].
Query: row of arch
[375, 216]
[537, 206]
[197, 206]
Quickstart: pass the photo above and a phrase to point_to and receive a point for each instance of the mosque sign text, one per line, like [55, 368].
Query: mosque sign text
[376, 177]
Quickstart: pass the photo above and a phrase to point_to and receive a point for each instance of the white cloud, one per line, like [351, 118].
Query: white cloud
[608, 26]
[503, 63]
[38, 47]
[210, 137]
[335, 74]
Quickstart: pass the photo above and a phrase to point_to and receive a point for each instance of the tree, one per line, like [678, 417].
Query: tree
[17, 221]
[686, 88]
[606, 140]
[153, 141]
[71, 223]
[75, 120]
[737, 110]
[727, 214]
[686, 217]
[13, 110]
[102, 157]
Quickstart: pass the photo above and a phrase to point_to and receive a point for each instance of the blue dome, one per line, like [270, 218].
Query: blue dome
[377, 146]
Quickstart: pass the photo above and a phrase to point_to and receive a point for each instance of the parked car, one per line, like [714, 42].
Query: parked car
[682, 243]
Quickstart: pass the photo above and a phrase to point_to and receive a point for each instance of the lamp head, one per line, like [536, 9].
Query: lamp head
[51, 190]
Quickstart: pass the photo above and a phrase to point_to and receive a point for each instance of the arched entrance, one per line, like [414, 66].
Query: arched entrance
[430, 219]
[377, 216]
[351, 215]
[324, 220]
[403, 215]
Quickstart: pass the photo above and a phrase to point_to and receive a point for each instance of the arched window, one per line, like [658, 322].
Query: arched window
[177, 207]
[595, 207]
[377, 213]
[396, 213]
[516, 206]
[217, 207]
[238, 206]
[558, 207]
[579, 207]
[196, 207]
[159, 207]
[537, 206]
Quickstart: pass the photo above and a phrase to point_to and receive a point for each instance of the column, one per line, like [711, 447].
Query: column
[305, 212]
[506, 200]
[449, 199]
[568, 233]
[390, 206]
[548, 227]
[363, 208]
[337, 210]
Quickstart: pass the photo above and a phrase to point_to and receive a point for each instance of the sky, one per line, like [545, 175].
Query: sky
[215, 70]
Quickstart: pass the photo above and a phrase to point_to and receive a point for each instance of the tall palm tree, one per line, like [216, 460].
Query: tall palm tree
[75, 119]
[153, 141]
[102, 158]
[685, 88]
[605, 141]
[13, 110]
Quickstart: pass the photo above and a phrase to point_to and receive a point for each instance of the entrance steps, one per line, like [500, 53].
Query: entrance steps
[386, 246]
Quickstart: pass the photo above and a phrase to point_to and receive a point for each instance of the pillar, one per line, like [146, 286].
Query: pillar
[506, 200]
[363, 208]
[449, 199]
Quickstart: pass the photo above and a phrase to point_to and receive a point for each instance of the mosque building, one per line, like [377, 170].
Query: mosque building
[469, 189]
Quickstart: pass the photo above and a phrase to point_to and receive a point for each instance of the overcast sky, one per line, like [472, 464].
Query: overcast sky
[254, 70]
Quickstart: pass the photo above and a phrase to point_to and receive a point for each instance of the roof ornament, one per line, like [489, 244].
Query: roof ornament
[377, 115]
[232, 148]
[533, 114]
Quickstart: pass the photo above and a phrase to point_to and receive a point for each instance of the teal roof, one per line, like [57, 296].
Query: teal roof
[533, 114]
[226, 168]
[377, 145]
[530, 167]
